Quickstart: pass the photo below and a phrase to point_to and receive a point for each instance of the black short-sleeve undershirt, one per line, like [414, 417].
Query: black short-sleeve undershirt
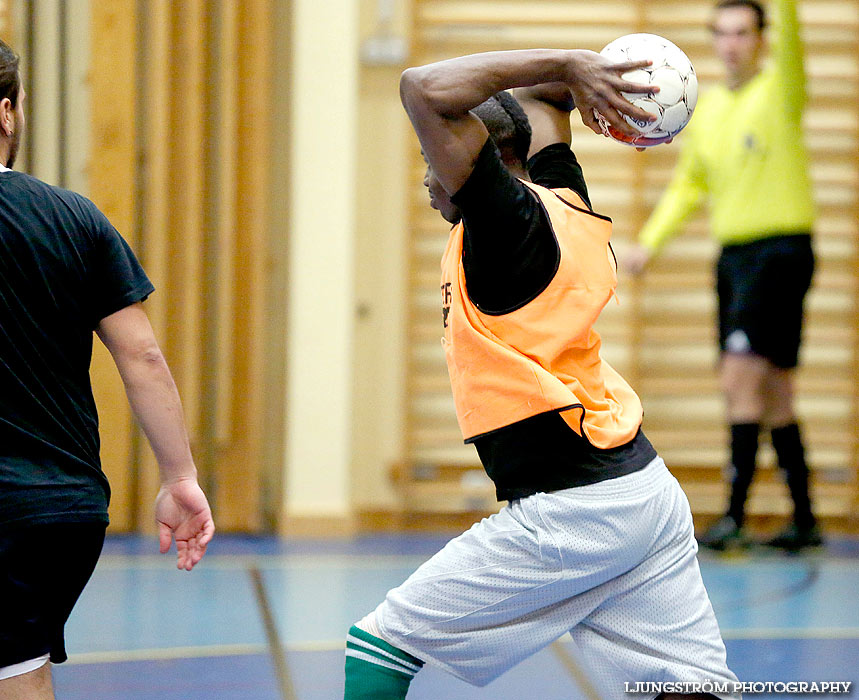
[509, 250]
[510, 254]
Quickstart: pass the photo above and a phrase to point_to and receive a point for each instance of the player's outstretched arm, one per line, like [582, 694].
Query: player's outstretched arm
[438, 97]
[182, 510]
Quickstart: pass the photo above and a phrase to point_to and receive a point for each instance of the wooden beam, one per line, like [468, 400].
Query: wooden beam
[112, 188]
[153, 98]
[239, 470]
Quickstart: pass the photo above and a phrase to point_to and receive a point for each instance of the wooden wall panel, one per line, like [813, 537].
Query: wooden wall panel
[187, 171]
[198, 219]
[661, 336]
[153, 213]
[112, 186]
[240, 491]
[6, 25]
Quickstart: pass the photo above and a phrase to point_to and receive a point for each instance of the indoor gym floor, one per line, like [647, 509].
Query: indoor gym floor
[145, 631]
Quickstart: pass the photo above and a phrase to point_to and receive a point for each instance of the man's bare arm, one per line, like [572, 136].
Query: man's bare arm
[548, 107]
[151, 391]
[438, 98]
[181, 508]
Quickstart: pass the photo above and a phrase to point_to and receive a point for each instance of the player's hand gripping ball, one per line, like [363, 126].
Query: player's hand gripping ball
[672, 71]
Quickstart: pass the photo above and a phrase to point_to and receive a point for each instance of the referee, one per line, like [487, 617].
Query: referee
[65, 272]
[744, 152]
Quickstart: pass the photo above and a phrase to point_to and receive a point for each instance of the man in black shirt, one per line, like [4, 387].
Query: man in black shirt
[597, 538]
[65, 273]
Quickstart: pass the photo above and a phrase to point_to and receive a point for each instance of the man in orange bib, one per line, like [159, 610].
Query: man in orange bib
[597, 537]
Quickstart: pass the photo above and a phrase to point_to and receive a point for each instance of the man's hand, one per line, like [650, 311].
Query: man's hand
[597, 85]
[183, 514]
[636, 260]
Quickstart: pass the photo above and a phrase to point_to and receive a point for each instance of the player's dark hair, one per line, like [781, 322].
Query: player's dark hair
[10, 76]
[508, 126]
[753, 5]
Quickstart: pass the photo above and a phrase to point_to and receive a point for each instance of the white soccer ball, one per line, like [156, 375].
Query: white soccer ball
[672, 71]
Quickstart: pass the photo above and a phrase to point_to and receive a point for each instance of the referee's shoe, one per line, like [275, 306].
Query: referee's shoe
[794, 538]
[723, 535]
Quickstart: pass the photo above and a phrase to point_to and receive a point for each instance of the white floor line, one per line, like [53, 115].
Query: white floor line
[792, 633]
[229, 562]
[195, 652]
[100, 657]
[377, 561]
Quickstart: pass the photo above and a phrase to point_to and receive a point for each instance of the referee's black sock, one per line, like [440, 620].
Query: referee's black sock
[787, 443]
[744, 454]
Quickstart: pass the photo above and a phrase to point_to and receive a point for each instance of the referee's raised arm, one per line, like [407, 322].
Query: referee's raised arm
[788, 56]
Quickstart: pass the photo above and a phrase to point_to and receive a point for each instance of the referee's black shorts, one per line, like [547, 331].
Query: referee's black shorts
[761, 287]
[43, 570]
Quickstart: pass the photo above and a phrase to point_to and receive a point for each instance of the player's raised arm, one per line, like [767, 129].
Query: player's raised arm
[438, 98]
[548, 107]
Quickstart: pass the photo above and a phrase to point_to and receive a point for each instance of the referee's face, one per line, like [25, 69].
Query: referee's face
[738, 41]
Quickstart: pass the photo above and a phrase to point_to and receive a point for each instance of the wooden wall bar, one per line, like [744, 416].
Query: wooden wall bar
[152, 217]
[248, 315]
[112, 186]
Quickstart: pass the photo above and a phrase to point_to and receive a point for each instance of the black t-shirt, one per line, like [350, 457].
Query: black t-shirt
[510, 255]
[509, 250]
[63, 268]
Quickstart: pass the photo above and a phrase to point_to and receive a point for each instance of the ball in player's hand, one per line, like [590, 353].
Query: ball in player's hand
[672, 71]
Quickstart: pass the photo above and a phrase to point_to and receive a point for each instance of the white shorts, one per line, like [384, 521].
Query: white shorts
[613, 563]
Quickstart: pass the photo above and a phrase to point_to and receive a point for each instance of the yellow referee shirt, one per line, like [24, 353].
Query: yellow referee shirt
[744, 151]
